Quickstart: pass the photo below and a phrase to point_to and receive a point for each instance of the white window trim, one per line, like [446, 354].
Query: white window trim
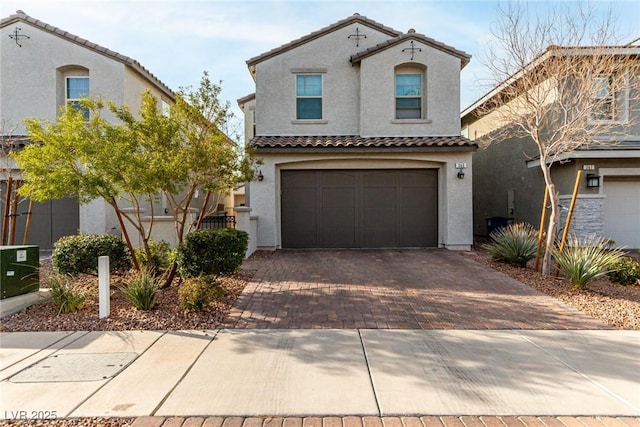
[620, 103]
[310, 72]
[423, 108]
[66, 89]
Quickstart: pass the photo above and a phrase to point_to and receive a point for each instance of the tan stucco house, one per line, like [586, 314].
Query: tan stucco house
[508, 182]
[42, 69]
[358, 128]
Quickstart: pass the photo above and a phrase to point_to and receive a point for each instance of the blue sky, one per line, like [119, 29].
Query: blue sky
[176, 40]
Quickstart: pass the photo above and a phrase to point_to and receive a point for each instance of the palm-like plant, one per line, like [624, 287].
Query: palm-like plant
[514, 244]
[585, 259]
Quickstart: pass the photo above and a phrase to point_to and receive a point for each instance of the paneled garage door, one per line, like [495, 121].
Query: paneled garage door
[359, 208]
[622, 211]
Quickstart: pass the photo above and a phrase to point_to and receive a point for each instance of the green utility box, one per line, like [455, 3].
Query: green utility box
[19, 272]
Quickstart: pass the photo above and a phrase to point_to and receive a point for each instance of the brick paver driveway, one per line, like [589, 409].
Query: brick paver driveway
[398, 289]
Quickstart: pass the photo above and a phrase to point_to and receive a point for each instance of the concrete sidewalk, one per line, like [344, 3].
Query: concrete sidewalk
[321, 373]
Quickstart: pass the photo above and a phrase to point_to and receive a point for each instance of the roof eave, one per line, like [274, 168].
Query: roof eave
[319, 33]
[108, 53]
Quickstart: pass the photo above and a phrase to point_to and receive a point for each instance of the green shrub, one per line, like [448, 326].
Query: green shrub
[514, 244]
[584, 260]
[625, 271]
[141, 290]
[65, 296]
[160, 256]
[196, 293]
[79, 254]
[216, 252]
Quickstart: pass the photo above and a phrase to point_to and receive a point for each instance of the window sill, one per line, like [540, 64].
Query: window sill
[411, 121]
[309, 122]
[608, 122]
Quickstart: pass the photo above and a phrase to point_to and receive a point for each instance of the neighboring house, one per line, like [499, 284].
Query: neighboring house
[42, 69]
[508, 182]
[358, 127]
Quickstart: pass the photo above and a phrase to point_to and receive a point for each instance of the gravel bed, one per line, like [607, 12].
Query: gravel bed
[612, 303]
[166, 315]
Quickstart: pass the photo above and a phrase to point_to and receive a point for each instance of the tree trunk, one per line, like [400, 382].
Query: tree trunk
[551, 231]
[169, 275]
[114, 204]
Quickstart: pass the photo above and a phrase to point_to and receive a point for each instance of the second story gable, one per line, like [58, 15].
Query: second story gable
[358, 77]
[44, 68]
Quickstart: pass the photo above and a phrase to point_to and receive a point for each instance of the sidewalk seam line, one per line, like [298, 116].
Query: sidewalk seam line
[588, 378]
[366, 360]
[182, 377]
[43, 349]
[75, 408]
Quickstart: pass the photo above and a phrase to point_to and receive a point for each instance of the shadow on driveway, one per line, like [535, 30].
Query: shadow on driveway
[392, 289]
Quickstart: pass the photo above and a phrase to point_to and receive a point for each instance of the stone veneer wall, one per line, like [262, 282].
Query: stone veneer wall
[588, 215]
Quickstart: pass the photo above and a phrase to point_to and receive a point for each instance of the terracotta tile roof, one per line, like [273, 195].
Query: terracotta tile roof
[245, 99]
[21, 16]
[321, 32]
[412, 35]
[355, 141]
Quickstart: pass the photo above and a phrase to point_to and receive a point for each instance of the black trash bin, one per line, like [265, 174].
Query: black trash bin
[496, 222]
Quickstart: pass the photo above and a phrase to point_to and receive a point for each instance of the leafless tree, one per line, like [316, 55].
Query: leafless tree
[562, 80]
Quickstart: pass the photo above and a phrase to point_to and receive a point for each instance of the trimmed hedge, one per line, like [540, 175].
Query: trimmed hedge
[79, 254]
[216, 252]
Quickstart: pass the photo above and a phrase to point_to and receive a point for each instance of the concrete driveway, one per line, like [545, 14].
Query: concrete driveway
[392, 289]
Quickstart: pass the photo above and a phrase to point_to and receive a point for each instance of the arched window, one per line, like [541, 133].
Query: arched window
[409, 91]
[74, 82]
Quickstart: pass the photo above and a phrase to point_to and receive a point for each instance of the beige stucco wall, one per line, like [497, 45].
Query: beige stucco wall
[30, 77]
[454, 195]
[329, 56]
[441, 103]
[32, 84]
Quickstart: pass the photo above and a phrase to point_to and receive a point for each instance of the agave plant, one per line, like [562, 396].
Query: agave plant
[514, 244]
[582, 260]
[142, 288]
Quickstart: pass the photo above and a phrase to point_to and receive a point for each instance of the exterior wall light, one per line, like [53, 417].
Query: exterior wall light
[260, 176]
[461, 166]
[593, 180]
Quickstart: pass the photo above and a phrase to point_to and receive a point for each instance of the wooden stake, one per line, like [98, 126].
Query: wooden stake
[543, 217]
[7, 205]
[569, 215]
[27, 224]
[14, 214]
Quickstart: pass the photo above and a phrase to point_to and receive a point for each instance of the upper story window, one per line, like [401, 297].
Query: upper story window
[165, 108]
[253, 118]
[604, 102]
[76, 89]
[408, 95]
[308, 96]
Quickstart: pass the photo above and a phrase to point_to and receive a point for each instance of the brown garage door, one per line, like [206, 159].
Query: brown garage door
[359, 208]
[49, 221]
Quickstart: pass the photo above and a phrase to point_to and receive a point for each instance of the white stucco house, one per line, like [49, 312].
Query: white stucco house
[358, 128]
[42, 69]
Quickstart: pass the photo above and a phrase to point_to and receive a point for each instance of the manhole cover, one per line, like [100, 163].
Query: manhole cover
[69, 367]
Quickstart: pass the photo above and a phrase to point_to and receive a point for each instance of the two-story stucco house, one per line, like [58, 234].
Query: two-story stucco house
[44, 68]
[358, 127]
[508, 181]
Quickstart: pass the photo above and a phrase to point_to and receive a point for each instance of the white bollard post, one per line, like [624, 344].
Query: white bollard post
[103, 286]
